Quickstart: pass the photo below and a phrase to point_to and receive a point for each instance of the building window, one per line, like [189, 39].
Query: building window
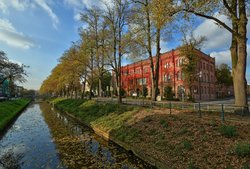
[167, 65]
[142, 81]
[180, 61]
[137, 71]
[167, 78]
[179, 75]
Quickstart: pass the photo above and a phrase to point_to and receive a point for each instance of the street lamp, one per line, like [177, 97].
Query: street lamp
[67, 89]
[200, 76]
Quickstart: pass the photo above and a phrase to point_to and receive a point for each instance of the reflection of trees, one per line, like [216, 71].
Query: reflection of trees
[78, 147]
[11, 160]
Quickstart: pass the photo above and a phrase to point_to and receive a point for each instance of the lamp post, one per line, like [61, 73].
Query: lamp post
[200, 75]
[67, 89]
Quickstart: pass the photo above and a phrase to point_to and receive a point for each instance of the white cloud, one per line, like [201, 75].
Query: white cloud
[77, 17]
[22, 5]
[10, 36]
[164, 47]
[225, 57]
[49, 11]
[3, 7]
[217, 38]
[79, 5]
[222, 57]
[19, 5]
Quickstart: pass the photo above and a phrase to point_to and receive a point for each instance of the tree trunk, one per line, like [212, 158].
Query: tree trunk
[157, 64]
[149, 48]
[239, 58]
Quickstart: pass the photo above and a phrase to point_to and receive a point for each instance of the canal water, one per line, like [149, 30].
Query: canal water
[45, 138]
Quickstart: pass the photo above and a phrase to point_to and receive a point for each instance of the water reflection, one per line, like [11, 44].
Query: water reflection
[45, 138]
[28, 143]
[79, 147]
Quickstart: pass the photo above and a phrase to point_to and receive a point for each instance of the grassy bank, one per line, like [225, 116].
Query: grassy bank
[179, 140]
[9, 110]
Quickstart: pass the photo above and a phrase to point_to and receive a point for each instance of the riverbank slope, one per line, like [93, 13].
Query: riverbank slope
[179, 140]
[9, 110]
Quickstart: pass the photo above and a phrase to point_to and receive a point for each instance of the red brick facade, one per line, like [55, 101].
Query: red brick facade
[135, 75]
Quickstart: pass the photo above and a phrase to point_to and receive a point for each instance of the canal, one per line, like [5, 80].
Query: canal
[45, 138]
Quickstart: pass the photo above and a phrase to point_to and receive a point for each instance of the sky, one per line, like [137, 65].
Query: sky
[37, 32]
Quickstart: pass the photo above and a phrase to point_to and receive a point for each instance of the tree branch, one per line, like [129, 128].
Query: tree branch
[230, 9]
[212, 18]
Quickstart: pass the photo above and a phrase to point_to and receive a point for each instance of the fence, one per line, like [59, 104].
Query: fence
[222, 111]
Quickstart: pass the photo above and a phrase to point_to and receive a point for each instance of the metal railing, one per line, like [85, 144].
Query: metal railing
[222, 111]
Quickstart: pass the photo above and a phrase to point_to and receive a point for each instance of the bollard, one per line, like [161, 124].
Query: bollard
[199, 109]
[170, 107]
[222, 113]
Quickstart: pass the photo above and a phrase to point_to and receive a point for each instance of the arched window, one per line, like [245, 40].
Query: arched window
[179, 75]
[165, 78]
[169, 77]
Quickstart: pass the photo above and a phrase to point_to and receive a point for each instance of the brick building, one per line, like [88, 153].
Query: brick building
[137, 75]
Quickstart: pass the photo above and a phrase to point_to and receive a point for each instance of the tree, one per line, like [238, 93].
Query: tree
[191, 58]
[235, 10]
[117, 16]
[97, 25]
[223, 76]
[12, 71]
[154, 15]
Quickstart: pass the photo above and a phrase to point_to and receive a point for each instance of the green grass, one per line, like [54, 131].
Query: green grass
[228, 131]
[107, 115]
[187, 145]
[164, 123]
[242, 150]
[9, 109]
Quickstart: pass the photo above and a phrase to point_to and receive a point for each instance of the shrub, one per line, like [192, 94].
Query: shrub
[228, 131]
[168, 93]
[144, 91]
[242, 150]
[164, 123]
[187, 145]
[246, 166]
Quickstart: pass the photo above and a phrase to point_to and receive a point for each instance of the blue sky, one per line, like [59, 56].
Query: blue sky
[37, 32]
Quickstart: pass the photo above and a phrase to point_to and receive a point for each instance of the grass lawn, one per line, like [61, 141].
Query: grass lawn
[180, 140]
[9, 110]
